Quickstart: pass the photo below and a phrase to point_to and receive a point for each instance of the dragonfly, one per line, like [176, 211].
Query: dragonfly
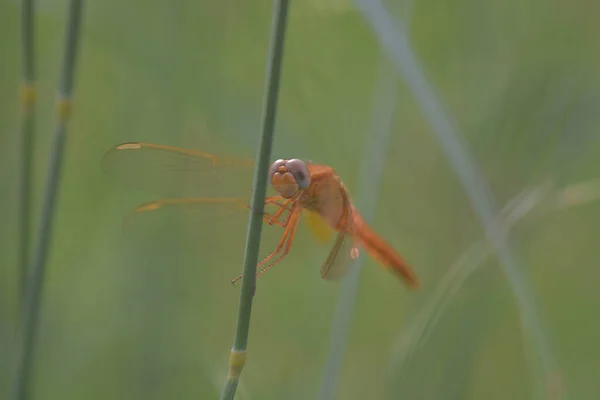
[301, 186]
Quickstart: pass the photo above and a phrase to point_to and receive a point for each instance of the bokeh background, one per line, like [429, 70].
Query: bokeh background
[148, 312]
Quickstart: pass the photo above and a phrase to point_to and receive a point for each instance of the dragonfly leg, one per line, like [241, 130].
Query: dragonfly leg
[286, 250]
[274, 199]
[274, 219]
[284, 244]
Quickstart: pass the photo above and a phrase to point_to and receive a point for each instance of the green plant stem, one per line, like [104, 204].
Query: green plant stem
[526, 208]
[27, 99]
[33, 295]
[470, 260]
[393, 37]
[238, 353]
[385, 101]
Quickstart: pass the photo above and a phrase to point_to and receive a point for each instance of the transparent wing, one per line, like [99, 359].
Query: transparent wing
[344, 249]
[188, 211]
[176, 172]
[204, 219]
[202, 211]
[208, 194]
[336, 265]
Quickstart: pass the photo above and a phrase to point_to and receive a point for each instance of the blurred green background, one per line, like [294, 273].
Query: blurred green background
[148, 313]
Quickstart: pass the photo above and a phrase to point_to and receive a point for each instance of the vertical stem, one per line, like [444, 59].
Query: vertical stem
[27, 99]
[385, 101]
[33, 294]
[393, 38]
[240, 344]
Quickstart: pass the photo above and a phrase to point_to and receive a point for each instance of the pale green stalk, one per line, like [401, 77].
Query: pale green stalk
[37, 268]
[238, 352]
[27, 99]
[394, 39]
[416, 334]
[527, 207]
[385, 101]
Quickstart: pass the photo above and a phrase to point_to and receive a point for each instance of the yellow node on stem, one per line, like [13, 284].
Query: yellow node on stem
[237, 360]
[28, 94]
[64, 108]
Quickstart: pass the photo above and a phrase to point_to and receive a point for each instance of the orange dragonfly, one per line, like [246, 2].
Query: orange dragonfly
[301, 185]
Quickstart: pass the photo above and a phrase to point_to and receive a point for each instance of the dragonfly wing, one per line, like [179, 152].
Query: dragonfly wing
[176, 172]
[194, 211]
[336, 265]
[189, 211]
[344, 249]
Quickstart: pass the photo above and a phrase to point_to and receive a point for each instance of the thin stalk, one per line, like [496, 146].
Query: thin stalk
[392, 35]
[521, 206]
[27, 100]
[527, 207]
[385, 101]
[33, 294]
[273, 74]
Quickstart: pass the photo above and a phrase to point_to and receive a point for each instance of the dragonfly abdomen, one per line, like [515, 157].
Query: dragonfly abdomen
[383, 252]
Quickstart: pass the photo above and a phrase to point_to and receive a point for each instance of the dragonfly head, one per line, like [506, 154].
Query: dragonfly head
[289, 176]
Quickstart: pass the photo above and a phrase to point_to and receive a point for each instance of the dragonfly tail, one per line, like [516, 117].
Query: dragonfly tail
[383, 252]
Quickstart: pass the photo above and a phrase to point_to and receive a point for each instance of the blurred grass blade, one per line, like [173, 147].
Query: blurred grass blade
[29, 324]
[240, 344]
[529, 206]
[385, 101]
[469, 261]
[394, 40]
[26, 134]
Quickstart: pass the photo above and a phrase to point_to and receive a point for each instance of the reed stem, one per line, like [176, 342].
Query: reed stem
[393, 36]
[25, 147]
[37, 268]
[385, 101]
[238, 352]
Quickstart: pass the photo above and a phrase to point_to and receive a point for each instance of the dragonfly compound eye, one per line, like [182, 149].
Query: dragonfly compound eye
[275, 167]
[299, 169]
